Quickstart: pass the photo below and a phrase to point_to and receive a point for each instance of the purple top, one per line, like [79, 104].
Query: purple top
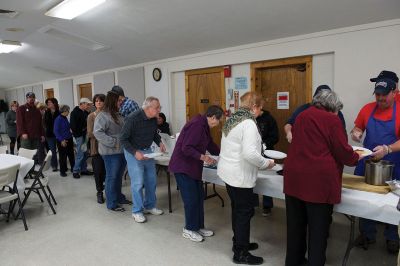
[194, 140]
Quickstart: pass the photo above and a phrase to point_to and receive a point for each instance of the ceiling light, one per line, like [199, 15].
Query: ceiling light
[9, 46]
[69, 9]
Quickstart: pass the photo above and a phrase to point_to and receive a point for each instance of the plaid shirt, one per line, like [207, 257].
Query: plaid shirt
[128, 106]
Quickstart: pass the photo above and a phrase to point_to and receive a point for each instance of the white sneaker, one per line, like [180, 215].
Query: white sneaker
[205, 232]
[139, 217]
[153, 211]
[192, 235]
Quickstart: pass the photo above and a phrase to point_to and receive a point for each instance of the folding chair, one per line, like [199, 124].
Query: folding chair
[27, 153]
[3, 149]
[7, 176]
[39, 182]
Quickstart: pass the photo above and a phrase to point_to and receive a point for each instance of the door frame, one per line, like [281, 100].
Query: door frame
[47, 91]
[205, 71]
[307, 60]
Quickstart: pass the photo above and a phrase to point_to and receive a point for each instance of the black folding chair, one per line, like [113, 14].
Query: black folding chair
[39, 182]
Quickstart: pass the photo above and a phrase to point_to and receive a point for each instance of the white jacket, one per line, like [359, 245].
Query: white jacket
[240, 156]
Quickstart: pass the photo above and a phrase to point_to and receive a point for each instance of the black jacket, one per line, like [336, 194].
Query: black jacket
[268, 129]
[49, 122]
[78, 122]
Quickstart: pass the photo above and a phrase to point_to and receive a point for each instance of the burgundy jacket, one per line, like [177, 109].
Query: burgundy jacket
[29, 121]
[193, 141]
[314, 166]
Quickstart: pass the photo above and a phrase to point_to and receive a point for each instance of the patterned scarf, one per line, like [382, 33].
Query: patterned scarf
[240, 115]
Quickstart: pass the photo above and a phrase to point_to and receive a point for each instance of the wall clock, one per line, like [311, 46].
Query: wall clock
[157, 74]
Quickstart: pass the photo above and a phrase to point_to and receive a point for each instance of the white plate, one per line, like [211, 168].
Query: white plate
[277, 167]
[152, 155]
[275, 154]
[366, 151]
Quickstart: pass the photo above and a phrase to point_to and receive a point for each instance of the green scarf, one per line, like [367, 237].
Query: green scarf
[240, 115]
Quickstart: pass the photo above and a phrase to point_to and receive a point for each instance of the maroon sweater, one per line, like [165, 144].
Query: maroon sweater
[29, 121]
[314, 166]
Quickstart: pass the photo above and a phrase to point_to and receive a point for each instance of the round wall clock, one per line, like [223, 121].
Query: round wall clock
[157, 74]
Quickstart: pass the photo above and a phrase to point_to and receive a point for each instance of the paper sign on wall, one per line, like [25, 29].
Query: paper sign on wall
[282, 99]
[241, 83]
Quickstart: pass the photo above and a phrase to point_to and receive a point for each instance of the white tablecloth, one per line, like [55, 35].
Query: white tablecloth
[7, 160]
[378, 207]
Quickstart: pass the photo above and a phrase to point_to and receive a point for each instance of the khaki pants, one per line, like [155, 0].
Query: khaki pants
[30, 144]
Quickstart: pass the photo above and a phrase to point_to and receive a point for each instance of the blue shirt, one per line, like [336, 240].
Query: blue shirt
[128, 106]
[62, 129]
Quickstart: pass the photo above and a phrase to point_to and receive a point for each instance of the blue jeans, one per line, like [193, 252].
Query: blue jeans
[268, 202]
[53, 147]
[368, 228]
[193, 200]
[115, 167]
[142, 174]
[81, 156]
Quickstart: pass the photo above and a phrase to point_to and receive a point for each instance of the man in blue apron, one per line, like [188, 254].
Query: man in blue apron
[381, 121]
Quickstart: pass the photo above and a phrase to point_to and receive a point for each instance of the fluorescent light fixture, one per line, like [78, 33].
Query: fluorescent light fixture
[9, 46]
[69, 9]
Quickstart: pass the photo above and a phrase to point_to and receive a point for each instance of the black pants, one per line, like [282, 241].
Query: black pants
[242, 203]
[301, 217]
[12, 144]
[65, 152]
[99, 171]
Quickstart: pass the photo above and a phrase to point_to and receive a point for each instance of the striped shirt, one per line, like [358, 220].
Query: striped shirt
[139, 132]
[128, 106]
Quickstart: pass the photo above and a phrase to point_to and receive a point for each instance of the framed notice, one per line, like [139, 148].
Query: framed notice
[282, 100]
[241, 83]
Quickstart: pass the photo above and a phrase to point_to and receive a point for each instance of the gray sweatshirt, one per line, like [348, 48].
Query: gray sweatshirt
[107, 133]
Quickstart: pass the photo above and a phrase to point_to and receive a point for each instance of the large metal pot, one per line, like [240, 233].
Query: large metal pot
[378, 172]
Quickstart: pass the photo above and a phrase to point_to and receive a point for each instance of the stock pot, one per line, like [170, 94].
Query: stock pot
[378, 172]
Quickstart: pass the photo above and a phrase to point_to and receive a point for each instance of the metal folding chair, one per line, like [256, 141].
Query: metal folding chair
[27, 153]
[39, 182]
[9, 176]
[3, 149]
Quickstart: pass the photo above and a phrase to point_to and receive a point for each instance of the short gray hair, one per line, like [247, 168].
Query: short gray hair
[147, 102]
[64, 108]
[327, 100]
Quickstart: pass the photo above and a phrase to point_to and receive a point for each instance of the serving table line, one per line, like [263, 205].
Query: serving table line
[354, 203]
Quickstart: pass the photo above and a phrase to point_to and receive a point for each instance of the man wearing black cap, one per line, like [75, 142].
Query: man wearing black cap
[289, 124]
[127, 105]
[386, 74]
[29, 124]
[381, 122]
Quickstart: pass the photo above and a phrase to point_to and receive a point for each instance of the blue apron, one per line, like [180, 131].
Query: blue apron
[377, 133]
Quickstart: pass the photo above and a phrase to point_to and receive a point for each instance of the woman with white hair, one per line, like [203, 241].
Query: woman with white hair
[313, 178]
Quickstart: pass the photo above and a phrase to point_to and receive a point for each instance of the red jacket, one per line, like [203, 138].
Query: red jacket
[29, 121]
[314, 166]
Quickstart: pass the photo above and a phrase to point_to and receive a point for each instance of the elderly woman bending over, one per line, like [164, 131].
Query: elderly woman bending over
[313, 178]
[239, 161]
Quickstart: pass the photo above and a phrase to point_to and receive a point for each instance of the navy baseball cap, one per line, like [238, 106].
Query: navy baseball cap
[384, 86]
[30, 95]
[320, 88]
[385, 74]
[118, 90]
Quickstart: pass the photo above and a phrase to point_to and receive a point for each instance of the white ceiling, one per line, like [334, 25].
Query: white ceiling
[138, 31]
